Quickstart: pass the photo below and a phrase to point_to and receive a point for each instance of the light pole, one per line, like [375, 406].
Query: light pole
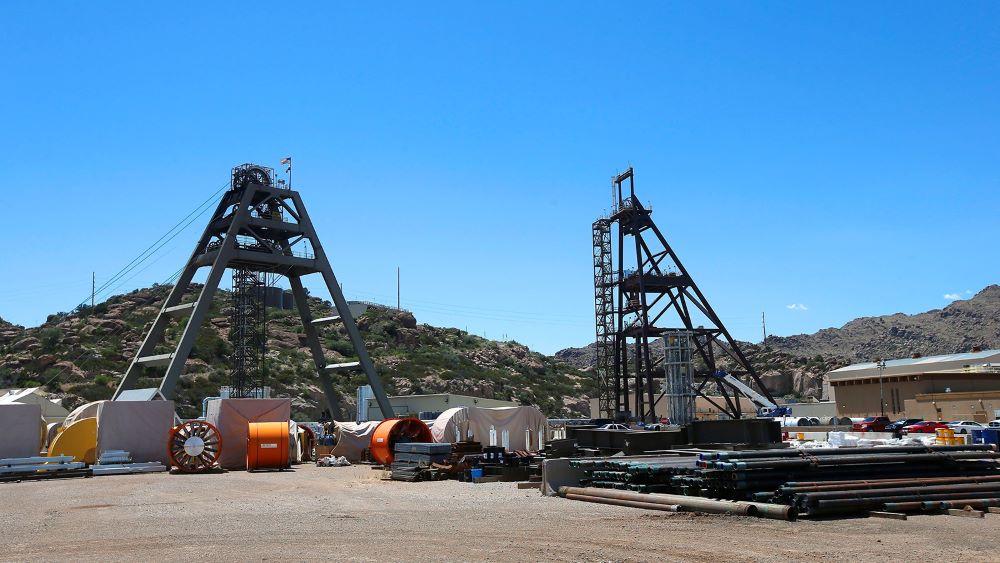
[881, 388]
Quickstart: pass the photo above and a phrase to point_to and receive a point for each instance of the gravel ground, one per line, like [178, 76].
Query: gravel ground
[317, 513]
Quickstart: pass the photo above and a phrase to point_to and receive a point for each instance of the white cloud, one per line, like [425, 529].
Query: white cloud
[968, 292]
[797, 307]
[952, 296]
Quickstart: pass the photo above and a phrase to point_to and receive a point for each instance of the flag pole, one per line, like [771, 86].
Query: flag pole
[288, 160]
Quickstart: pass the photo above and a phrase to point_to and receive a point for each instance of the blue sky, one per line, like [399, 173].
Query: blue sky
[840, 159]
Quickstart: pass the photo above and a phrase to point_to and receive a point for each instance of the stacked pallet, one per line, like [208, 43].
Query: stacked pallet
[413, 461]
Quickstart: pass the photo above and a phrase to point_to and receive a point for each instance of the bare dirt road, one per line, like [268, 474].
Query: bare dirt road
[316, 513]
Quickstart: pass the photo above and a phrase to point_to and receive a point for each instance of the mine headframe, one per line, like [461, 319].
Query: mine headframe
[634, 302]
[259, 230]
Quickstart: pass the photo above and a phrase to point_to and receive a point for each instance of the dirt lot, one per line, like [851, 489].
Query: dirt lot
[349, 513]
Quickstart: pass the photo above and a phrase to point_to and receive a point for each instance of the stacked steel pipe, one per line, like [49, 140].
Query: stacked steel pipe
[818, 481]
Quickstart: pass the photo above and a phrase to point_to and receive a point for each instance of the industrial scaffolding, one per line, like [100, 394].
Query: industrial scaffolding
[640, 283]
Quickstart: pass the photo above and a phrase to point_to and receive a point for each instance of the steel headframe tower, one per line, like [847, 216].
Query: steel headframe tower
[257, 229]
[632, 304]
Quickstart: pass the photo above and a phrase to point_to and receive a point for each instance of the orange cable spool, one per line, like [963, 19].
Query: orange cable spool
[393, 430]
[194, 446]
[267, 445]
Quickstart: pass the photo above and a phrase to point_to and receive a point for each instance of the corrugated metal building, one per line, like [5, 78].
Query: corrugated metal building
[860, 389]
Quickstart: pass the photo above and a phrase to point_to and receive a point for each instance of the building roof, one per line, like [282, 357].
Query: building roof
[906, 366]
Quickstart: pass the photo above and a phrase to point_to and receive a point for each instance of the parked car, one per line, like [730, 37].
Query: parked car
[871, 424]
[965, 426]
[896, 427]
[994, 423]
[614, 426]
[925, 427]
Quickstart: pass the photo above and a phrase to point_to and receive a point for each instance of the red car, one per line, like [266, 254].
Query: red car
[925, 427]
[871, 424]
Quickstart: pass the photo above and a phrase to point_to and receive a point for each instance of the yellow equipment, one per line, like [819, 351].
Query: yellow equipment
[78, 440]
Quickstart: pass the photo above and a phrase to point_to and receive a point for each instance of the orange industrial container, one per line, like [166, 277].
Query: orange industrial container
[267, 445]
[393, 430]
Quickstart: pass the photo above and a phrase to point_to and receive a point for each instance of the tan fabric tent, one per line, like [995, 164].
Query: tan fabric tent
[231, 417]
[516, 428]
[353, 438]
[138, 427]
[21, 434]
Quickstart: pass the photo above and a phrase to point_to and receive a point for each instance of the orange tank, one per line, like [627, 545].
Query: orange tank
[394, 430]
[267, 445]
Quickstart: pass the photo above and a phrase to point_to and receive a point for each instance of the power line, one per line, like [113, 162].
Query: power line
[143, 256]
[171, 233]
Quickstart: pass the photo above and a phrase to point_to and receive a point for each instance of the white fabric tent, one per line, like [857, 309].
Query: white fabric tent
[86, 410]
[51, 411]
[515, 428]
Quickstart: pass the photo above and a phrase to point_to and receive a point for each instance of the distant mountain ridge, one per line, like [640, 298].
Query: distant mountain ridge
[795, 365]
[959, 327]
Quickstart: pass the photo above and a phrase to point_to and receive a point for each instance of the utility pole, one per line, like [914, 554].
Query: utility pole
[397, 289]
[881, 393]
[93, 287]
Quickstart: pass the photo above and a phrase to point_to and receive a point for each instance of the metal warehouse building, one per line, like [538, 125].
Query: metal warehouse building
[952, 386]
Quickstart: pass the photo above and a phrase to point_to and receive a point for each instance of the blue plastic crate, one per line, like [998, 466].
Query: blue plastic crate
[986, 436]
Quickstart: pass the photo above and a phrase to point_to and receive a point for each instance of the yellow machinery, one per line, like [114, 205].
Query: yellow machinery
[78, 440]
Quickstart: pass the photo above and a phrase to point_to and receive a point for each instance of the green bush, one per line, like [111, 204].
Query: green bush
[92, 391]
[49, 338]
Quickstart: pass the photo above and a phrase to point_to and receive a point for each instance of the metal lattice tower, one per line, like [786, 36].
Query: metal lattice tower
[648, 291]
[258, 228]
[604, 309]
[248, 334]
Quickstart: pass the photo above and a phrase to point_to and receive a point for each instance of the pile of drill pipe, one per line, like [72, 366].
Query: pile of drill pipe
[856, 480]
[647, 475]
[816, 481]
[676, 503]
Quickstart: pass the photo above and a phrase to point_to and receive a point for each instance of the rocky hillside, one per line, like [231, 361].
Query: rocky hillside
[81, 356]
[959, 327]
[794, 365]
